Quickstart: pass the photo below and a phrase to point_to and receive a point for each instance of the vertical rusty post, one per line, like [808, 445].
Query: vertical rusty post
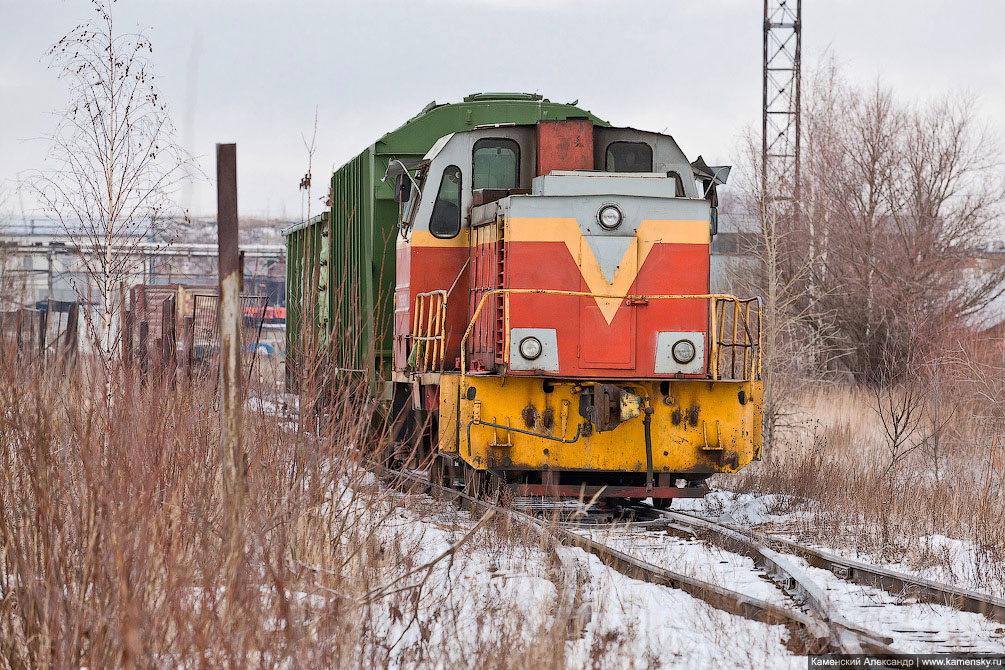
[28, 334]
[127, 337]
[70, 337]
[141, 347]
[43, 319]
[188, 340]
[157, 357]
[230, 321]
[168, 339]
[20, 334]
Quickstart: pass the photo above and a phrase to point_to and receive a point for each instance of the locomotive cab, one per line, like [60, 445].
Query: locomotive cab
[553, 312]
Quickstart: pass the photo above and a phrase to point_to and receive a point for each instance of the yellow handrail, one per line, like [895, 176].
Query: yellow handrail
[428, 326]
[713, 298]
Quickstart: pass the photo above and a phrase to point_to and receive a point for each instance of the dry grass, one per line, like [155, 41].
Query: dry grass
[847, 491]
[110, 543]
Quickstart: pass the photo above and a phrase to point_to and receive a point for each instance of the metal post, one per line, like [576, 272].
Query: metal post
[158, 357]
[188, 337]
[168, 338]
[127, 337]
[230, 322]
[20, 334]
[70, 337]
[141, 348]
[43, 319]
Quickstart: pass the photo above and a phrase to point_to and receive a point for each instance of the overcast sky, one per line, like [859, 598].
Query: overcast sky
[252, 71]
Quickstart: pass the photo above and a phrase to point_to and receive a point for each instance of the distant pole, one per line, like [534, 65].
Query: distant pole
[230, 359]
[781, 101]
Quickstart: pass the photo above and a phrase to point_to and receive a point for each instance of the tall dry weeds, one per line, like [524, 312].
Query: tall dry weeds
[110, 541]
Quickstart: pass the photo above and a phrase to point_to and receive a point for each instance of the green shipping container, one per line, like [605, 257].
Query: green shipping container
[341, 264]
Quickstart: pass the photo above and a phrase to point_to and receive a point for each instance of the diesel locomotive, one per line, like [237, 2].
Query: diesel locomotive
[531, 286]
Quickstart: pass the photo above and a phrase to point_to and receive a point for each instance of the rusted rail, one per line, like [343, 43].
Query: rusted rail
[891, 581]
[843, 635]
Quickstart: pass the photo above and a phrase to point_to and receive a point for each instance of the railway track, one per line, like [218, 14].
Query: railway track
[805, 607]
[892, 582]
[817, 630]
[901, 619]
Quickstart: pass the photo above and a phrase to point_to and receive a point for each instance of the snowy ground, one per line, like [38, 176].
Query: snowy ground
[914, 627]
[960, 563]
[614, 620]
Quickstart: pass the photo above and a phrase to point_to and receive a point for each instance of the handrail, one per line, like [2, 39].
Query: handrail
[428, 331]
[714, 299]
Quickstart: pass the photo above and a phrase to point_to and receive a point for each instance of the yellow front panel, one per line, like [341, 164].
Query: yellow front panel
[698, 427]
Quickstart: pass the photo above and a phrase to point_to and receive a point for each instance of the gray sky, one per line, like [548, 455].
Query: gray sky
[252, 71]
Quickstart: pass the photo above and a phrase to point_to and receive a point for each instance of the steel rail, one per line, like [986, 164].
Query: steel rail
[821, 628]
[843, 634]
[891, 581]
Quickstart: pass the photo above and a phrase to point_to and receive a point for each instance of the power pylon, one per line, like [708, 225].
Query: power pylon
[780, 118]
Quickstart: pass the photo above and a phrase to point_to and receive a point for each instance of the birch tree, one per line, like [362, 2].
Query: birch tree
[112, 162]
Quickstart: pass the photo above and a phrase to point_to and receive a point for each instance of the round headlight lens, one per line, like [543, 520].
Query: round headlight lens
[609, 217]
[683, 351]
[530, 348]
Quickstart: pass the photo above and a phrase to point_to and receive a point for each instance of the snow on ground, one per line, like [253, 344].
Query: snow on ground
[668, 628]
[691, 557]
[623, 622]
[955, 562]
[915, 627]
[740, 509]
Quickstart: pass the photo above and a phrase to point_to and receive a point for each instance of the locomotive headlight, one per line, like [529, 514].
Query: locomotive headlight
[683, 351]
[530, 348]
[609, 217]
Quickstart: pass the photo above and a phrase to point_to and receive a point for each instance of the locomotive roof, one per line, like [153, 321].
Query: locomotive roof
[419, 133]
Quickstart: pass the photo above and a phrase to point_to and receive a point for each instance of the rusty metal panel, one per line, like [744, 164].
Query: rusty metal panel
[564, 145]
[487, 274]
[205, 342]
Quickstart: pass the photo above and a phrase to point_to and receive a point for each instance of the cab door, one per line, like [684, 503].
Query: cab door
[607, 327]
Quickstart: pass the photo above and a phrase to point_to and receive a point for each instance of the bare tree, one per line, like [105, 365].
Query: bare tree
[778, 268]
[899, 200]
[113, 162]
[900, 400]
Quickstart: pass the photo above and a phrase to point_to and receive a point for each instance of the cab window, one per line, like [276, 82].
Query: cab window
[446, 218]
[496, 163]
[629, 157]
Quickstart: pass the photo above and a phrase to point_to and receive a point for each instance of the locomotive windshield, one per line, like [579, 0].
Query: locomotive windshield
[629, 157]
[496, 163]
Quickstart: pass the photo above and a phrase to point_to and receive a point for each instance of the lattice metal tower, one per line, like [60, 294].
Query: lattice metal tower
[780, 119]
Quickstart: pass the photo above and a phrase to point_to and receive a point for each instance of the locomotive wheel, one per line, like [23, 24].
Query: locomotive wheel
[662, 503]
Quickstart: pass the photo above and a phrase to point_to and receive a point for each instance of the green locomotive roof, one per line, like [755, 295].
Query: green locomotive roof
[418, 134]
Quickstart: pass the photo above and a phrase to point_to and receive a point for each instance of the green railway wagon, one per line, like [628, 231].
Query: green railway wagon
[341, 264]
